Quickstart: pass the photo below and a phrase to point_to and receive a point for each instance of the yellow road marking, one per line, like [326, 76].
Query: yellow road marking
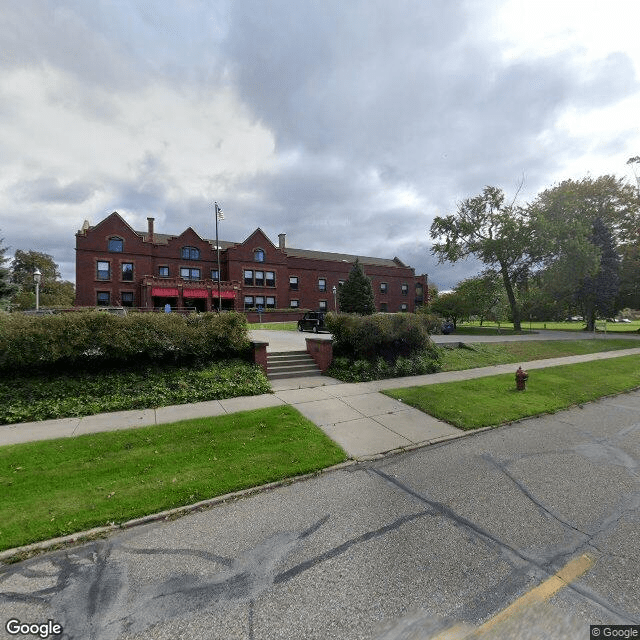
[572, 570]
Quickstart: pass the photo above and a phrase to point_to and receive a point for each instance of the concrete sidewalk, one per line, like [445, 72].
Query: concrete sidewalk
[357, 416]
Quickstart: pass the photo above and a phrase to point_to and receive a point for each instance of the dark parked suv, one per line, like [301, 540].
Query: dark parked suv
[312, 321]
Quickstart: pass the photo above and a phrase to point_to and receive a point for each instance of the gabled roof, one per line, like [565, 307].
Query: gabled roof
[88, 227]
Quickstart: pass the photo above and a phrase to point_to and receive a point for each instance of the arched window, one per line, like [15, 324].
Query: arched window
[116, 244]
[190, 253]
[258, 255]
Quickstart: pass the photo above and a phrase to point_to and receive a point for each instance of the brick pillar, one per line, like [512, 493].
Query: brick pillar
[321, 351]
[260, 354]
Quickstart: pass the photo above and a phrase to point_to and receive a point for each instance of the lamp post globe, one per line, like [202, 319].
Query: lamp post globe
[37, 277]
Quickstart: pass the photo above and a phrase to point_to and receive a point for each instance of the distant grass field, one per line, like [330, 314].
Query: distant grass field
[274, 326]
[611, 327]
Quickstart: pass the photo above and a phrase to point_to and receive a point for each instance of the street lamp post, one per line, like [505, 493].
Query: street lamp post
[335, 300]
[219, 216]
[37, 276]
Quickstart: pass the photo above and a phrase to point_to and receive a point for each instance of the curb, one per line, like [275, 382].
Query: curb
[177, 512]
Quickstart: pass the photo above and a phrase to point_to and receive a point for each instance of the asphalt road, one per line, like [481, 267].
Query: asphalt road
[403, 548]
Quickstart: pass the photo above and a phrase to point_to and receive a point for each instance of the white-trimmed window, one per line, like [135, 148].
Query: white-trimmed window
[127, 271]
[189, 274]
[103, 270]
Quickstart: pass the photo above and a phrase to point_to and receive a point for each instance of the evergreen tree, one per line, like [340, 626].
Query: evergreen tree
[7, 288]
[598, 292]
[356, 294]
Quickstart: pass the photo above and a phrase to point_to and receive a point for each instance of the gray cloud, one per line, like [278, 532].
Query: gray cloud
[366, 100]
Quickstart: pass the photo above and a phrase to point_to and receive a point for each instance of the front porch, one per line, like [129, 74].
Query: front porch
[189, 295]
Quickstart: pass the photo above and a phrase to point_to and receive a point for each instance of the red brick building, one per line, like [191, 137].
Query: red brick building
[117, 266]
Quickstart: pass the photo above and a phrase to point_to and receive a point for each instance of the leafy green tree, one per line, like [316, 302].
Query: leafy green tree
[480, 294]
[565, 245]
[7, 288]
[450, 305]
[356, 294]
[54, 292]
[491, 230]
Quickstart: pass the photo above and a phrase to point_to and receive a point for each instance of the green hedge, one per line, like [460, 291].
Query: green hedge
[86, 339]
[383, 335]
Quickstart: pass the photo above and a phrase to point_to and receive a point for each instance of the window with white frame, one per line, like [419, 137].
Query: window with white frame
[127, 271]
[189, 274]
[103, 270]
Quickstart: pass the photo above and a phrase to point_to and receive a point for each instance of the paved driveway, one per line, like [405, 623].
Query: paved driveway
[295, 340]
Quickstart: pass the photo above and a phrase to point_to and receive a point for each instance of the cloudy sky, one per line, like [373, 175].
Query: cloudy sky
[348, 125]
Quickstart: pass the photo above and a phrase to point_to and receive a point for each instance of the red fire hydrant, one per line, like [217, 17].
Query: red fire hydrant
[521, 379]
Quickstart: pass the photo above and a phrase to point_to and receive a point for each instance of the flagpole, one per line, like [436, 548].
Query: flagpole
[218, 252]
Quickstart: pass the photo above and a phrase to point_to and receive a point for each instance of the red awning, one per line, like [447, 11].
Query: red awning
[164, 292]
[195, 293]
[228, 295]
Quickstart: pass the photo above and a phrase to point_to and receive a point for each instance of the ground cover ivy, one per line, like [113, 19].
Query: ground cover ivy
[61, 395]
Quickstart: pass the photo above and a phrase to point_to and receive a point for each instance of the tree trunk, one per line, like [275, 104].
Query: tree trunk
[515, 310]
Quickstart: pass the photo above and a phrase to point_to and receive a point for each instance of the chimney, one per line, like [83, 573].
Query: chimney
[281, 240]
[150, 229]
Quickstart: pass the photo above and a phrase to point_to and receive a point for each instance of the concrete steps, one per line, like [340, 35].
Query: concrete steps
[291, 364]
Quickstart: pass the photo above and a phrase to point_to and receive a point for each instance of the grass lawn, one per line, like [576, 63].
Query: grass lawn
[493, 400]
[94, 480]
[486, 354]
[275, 326]
[507, 327]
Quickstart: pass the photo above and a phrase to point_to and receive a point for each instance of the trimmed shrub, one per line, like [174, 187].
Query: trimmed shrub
[91, 338]
[386, 336]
